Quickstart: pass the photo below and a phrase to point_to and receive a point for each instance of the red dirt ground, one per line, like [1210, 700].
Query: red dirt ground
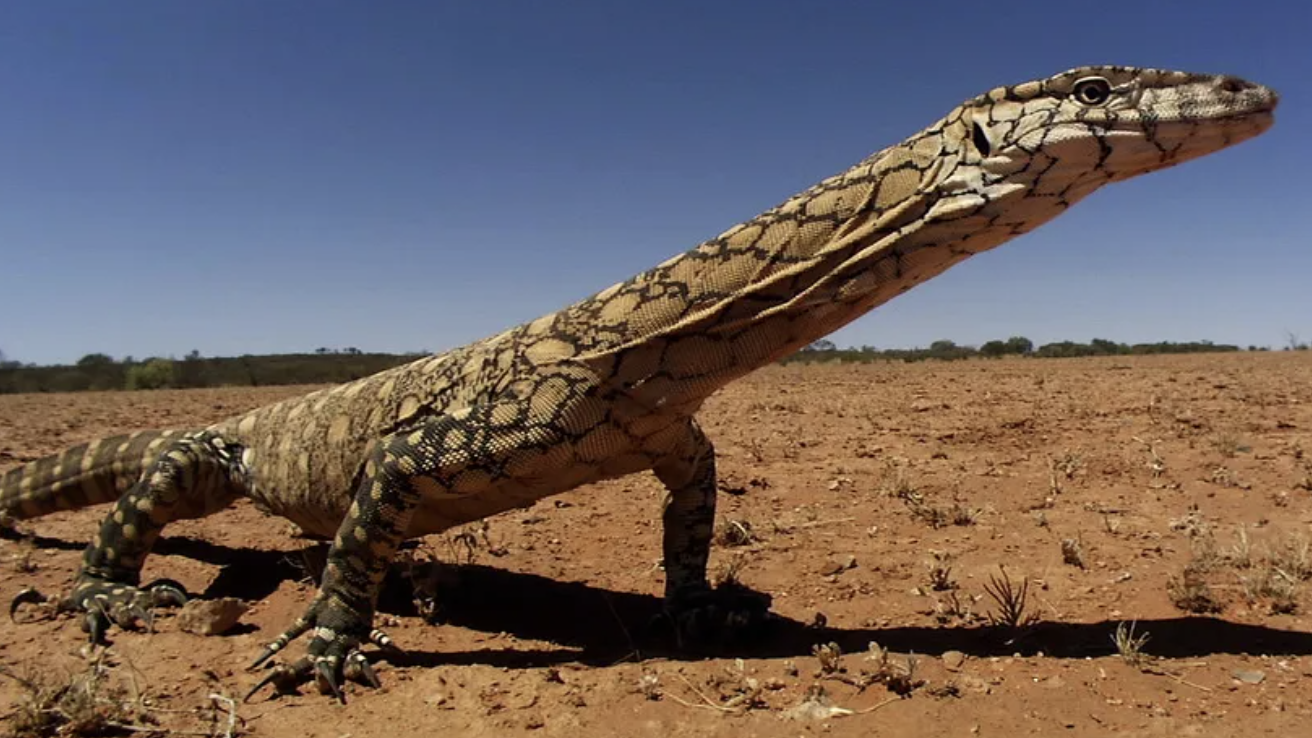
[841, 474]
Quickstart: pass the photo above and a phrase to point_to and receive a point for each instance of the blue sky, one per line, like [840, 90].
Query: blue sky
[254, 176]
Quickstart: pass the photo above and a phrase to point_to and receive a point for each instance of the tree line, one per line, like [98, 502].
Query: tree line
[945, 350]
[103, 372]
[329, 366]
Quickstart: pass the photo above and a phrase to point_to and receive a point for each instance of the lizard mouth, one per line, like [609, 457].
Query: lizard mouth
[1179, 141]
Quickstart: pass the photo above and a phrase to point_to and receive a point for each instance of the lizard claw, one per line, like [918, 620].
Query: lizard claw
[325, 674]
[284, 678]
[166, 593]
[95, 622]
[359, 669]
[141, 615]
[29, 596]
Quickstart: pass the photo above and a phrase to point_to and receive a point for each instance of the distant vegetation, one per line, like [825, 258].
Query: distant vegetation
[102, 372]
[330, 366]
[1014, 346]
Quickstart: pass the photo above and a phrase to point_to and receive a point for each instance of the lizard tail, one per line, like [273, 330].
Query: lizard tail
[84, 475]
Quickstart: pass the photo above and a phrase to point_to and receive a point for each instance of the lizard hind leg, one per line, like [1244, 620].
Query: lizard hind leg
[194, 476]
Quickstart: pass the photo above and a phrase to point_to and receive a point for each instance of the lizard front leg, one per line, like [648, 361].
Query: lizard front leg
[457, 455]
[698, 612]
[193, 477]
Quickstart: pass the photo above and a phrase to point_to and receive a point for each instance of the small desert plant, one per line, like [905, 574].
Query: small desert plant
[1129, 645]
[737, 690]
[899, 679]
[1273, 584]
[1283, 591]
[1303, 478]
[1190, 592]
[951, 607]
[1230, 445]
[1072, 552]
[897, 483]
[649, 685]
[962, 515]
[22, 560]
[1068, 464]
[735, 533]
[1241, 553]
[1156, 464]
[940, 571]
[1293, 555]
[728, 574]
[66, 703]
[830, 657]
[1011, 601]
[936, 516]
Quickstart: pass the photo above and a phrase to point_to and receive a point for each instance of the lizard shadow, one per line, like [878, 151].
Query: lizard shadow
[244, 573]
[597, 626]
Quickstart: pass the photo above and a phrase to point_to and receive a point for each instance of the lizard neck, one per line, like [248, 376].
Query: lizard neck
[792, 275]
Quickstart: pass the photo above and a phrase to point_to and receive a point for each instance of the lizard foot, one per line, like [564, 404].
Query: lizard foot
[722, 616]
[103, 602]
[333, 653]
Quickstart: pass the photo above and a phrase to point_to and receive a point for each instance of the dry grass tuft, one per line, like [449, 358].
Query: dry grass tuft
[1011, 601]
[1130, 645]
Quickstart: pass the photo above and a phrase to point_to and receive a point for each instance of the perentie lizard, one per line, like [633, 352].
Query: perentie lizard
[610, 385]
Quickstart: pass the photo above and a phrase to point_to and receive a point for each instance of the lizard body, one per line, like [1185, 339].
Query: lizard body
[610, 385]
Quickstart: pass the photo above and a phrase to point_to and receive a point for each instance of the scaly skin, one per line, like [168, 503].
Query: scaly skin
[610, 385]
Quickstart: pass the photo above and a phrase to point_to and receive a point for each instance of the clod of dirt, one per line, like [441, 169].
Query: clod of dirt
[953, 660]
[211, 617]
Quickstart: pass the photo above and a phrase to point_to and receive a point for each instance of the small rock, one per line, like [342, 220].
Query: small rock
[211, 617]
[832, 567]
[953, 660]
[1249, 677]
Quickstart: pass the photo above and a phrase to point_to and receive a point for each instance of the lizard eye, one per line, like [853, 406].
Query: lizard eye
[1092, 91]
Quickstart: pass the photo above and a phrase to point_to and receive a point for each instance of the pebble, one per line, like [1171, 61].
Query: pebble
[1249, 677]
[953, 660]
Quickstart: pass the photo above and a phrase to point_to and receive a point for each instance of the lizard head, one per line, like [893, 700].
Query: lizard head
[1054, 141]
